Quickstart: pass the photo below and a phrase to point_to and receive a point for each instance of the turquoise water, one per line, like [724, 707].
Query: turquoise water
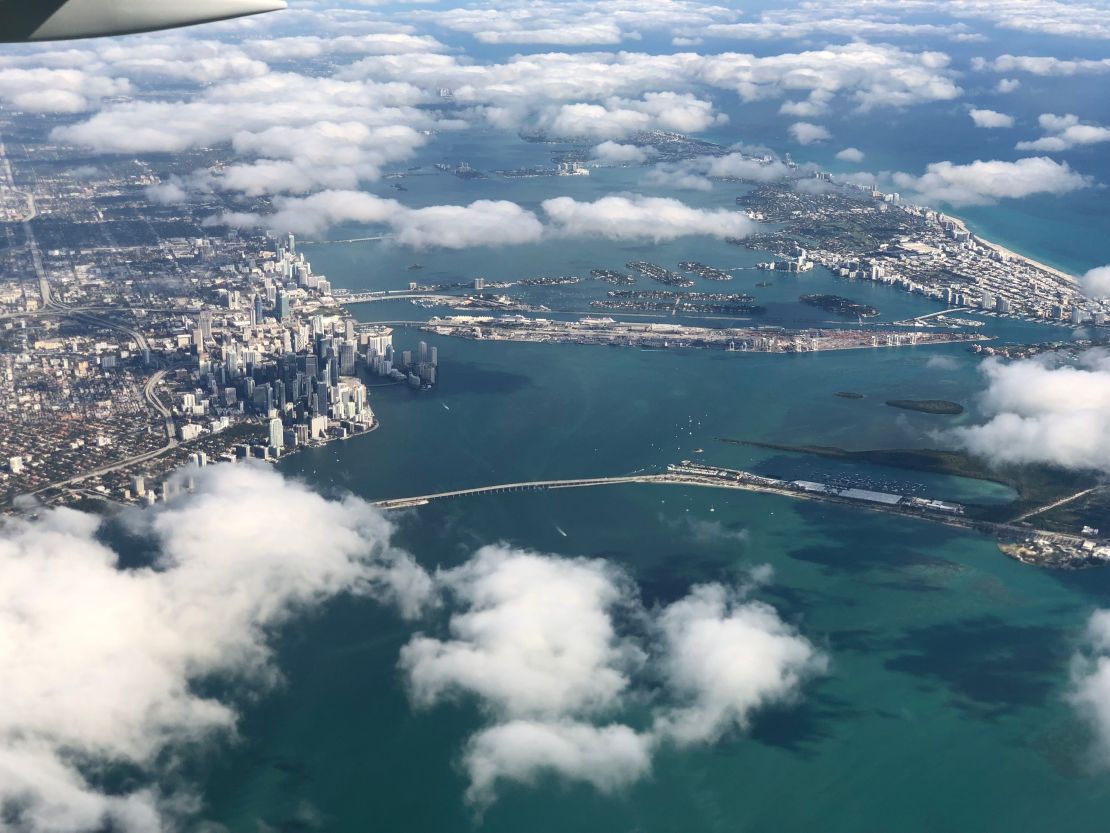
[944, 708]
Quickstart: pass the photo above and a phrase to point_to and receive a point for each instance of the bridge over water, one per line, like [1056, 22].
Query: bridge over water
[532, 485]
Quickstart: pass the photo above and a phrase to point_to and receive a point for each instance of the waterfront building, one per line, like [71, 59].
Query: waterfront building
[277, 433]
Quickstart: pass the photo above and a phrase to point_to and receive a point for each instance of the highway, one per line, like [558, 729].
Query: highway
[151, 396]
[533, 485]
[745, 481]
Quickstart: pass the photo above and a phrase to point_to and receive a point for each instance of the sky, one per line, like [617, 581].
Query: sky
[310, 108]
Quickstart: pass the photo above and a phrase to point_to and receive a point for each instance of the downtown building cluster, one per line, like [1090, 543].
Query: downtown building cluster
[287, 356]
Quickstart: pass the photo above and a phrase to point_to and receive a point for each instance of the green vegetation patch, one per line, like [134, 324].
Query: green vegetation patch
[928, 406]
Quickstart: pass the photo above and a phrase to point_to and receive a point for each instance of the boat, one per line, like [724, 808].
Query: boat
[446, 407]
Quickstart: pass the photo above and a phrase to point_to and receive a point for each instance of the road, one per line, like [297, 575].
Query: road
[151, 396]
[745, 481]
[1050, 506]
[421, 500]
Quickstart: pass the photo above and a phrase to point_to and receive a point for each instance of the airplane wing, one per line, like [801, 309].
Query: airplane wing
[44, 20]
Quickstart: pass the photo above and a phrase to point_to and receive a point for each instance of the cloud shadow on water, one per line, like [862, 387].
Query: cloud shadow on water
[990, 667]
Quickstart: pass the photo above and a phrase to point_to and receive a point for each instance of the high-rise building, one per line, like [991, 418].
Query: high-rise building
[277, 433]
[138, 485]
[422, 351]
[347, 357]
[291, 244]
[283, 305]
[435, 357]
[256, 310]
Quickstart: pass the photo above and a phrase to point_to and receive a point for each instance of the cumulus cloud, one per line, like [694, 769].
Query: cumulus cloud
[636, 217]
[1042, 413]
[1064, 133]
[807, 133]
[679, 176]
[725, 657]
[607, 757]
[744, 167]
[696, 174]
[304, 133]
[43, 90]
[1096, 282]
[990, 118]
[572, 22]
[481, 223]
[1008, 85]
[1043, 65]
[983, 182]
[497, 222]
[99, 661]
[553, 649]
[850, 155]
[536, 638]
[616, 118]
[1091, 678]
[614, 153]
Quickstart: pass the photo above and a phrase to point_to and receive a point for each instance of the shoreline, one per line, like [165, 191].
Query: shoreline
[1010, 254]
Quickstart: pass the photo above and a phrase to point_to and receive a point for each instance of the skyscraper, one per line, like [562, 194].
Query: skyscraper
[277, 433]
[347, 357]
[283, 305]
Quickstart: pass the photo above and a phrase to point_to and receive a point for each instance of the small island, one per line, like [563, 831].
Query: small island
[928, 406]
[847, 394]
[840, 306]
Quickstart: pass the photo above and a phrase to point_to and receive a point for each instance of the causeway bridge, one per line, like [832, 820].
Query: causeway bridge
[533, 485]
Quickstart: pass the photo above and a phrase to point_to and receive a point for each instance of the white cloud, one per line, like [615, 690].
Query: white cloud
[983, 182]
[536, 638]
[696, 174]
[636, 217]
[726, 657]
[806, 133]
[41, 90]
[990, 118]
[616, 118]
[1064, 133]
[1008, 85]
[554, 649]
[1043, 17]
[497, 222]
[481, 223]
[850, 155]
[745, 167]
[1040, 413]
[1091, 679]
[573, 22]
[1043, 65]
[313, 46]
[99, 662]
[680, 176]
[1096, 282]
[614, 153]
[607, 757]
[814, 20]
